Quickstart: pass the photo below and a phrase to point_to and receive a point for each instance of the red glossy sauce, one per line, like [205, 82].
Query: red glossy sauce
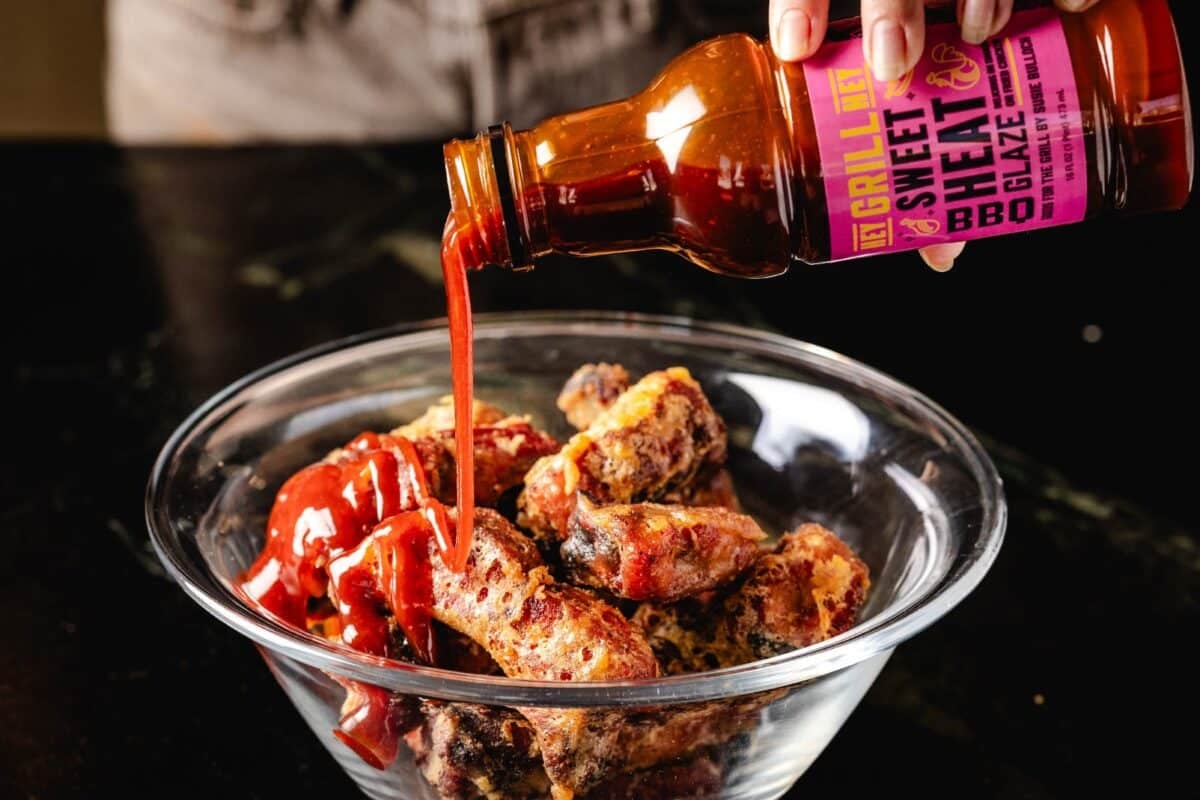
[372, 722]
[462, 359]
[389, 574]
[310, 512]
[324, 512]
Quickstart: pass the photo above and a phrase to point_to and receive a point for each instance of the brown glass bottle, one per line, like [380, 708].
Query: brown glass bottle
[719, 158]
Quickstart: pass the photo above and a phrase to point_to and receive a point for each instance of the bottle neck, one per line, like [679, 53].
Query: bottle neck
[504, 197]
[485, 219]
[700, 163]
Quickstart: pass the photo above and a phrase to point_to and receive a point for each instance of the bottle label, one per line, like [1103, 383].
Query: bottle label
[975, 141]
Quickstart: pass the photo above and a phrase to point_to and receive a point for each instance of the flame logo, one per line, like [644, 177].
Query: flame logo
[959, 71]
[922, 227]
[899, 87]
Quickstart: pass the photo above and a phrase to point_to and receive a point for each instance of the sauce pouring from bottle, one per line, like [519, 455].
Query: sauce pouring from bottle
[462, 359]
[744, 164]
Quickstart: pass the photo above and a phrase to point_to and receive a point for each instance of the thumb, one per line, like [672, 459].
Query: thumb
[940, 257]
[797, 27]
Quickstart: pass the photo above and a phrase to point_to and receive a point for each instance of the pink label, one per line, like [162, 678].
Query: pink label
[976, 141]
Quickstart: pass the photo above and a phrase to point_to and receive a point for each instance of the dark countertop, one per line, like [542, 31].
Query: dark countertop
[146, 279]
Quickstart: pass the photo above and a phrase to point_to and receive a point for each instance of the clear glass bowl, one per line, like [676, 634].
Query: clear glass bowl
[813, 436]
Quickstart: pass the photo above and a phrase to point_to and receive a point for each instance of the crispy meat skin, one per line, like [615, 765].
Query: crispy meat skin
[809, 588]
[507, 601]
[647, 551]
[683, 636]
[437, 418]
[473, 752]
[505, 448]
[590, 390]
[440, 417]
[663, 734]
[655, 438]
[504, 452]
[697, 779]
[462, 653]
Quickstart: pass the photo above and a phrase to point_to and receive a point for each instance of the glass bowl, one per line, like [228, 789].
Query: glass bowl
[813, 436]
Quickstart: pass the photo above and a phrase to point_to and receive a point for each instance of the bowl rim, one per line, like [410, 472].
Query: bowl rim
[878, 635]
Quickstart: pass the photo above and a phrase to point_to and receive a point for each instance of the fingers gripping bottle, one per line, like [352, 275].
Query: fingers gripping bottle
[742, 163]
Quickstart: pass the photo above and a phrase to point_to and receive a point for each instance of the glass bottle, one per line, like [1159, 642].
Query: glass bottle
[742, 163]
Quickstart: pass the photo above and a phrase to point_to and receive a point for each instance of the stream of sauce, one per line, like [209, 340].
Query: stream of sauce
[378, 488]
[359, 527]
[462, 360]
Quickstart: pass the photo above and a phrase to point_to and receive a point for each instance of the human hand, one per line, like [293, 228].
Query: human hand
[893, 39]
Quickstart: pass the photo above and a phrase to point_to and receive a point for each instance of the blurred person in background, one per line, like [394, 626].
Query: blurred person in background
[223, 71]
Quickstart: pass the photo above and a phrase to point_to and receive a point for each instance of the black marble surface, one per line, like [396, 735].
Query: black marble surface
[140, 281]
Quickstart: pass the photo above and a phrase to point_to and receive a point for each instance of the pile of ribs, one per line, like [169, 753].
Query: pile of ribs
[622, 554]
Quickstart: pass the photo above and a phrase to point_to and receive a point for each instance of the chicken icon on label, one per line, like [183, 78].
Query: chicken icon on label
[960, 71]
[922, 227]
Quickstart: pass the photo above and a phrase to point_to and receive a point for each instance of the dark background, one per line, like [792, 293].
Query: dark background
[142, 280]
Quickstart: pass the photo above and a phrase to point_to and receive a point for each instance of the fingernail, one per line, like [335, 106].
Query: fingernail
[792, 34]
[976, 19]
[888, 49]
[941, 257]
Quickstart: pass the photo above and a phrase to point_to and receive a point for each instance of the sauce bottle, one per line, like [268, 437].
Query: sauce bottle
[742, 163]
